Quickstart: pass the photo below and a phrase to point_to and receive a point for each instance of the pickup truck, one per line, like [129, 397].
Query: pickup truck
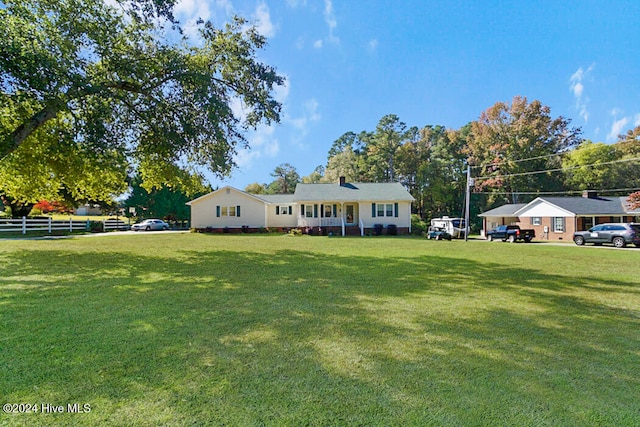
[510, 233]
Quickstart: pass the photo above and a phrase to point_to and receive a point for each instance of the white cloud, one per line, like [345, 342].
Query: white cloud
[262, 143]
[281, 93]
[295, 3]
[615, 111]
[189, 12]
[302, 125]
[330, 20]
[263, 20]
[576, 86]
[373, 45]
[637, 120]
[272, 148]
[245, 157]
[317, 44]
[225, 5]
[617, 128]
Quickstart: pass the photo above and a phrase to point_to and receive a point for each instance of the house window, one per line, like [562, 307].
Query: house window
[227, 211]
[558, 224]
[384, 209]
[308, 211]
[536, 220]
[284, 210]
[328, 211]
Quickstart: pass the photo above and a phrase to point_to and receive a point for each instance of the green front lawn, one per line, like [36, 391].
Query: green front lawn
[194, 329]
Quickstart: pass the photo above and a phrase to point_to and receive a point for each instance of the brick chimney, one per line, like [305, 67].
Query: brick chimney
[343, 181]
[590, 194]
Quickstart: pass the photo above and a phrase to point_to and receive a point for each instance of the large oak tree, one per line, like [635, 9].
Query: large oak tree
[119, 76]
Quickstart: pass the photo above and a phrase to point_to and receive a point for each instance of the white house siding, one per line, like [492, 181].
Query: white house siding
[204, 211]
[542, 209]
[258, 211]
[277, 218]
[402, 220]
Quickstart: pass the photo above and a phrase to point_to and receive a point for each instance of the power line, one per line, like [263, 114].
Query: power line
[522, 160]
[557, 170]
[613, 190]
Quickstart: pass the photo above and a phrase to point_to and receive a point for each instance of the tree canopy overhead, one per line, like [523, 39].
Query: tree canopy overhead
[106, 76]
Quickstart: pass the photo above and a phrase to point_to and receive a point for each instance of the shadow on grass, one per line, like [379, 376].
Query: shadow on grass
[309, 339]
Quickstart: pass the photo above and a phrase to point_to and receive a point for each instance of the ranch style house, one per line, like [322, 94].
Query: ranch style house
[340, 209]
[557, 218]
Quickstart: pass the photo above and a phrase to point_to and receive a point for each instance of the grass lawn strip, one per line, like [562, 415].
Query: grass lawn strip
[187, 329]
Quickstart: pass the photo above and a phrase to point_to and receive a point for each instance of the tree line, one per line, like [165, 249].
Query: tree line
[516, 151]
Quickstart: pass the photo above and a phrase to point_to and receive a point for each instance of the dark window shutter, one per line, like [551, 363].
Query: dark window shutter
[322, 211]
[335, 211]
[315, 211]
[238, 210]
[217, 211]
[301, 210]
[277, 210]
[373, 210]
[290, 210]
[395, 210]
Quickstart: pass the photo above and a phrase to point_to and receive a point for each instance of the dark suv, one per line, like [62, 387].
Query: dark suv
[619, 234]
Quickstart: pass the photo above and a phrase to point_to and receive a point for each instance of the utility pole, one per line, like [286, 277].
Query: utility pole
[466, 204]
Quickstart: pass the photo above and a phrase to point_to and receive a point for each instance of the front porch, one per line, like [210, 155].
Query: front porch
[335, 226]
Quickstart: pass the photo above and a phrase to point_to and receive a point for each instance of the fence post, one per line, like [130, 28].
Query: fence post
[50, 221]
[70, 225]
[24, 225]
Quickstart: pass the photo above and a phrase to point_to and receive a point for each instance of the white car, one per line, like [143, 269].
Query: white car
[150, 224]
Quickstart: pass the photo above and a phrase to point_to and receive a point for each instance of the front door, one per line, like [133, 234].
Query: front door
[350, 214]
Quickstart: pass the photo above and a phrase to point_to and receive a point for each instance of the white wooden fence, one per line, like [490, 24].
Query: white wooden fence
[24, 225]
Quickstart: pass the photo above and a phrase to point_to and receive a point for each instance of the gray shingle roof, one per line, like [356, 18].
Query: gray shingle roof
[352, 192]
[276, 198]
[504, 210]
[590, 206]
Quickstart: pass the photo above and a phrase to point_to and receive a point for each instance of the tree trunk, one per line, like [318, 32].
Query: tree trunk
[18, 209]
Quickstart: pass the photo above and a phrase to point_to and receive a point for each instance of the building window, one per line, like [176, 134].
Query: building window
[227, 211]
[558, 224]
[389, 209]
[384, 209]
[284, 210]
[536, 220]
[308, 211]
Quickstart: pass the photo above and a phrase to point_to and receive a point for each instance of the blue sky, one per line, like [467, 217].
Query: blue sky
[349, 63]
